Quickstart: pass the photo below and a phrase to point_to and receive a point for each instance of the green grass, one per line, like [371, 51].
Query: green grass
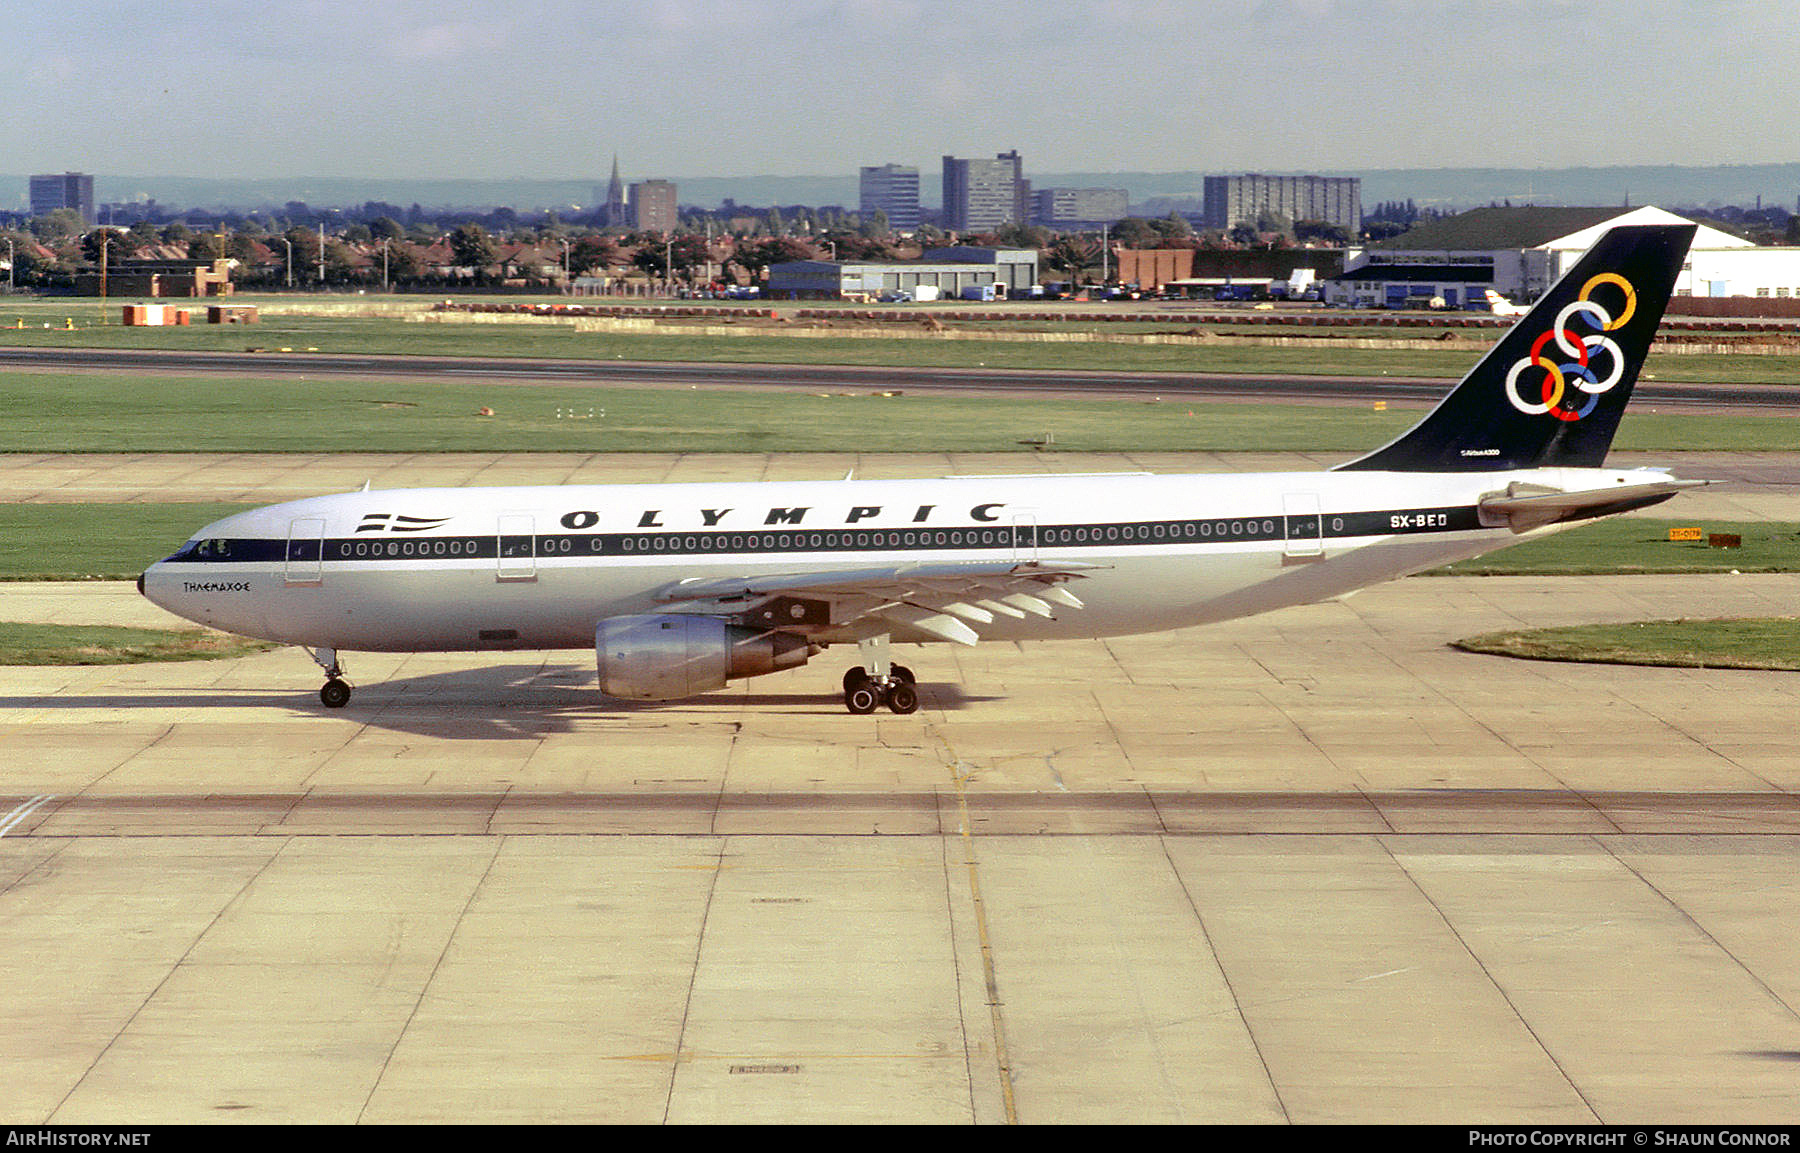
[96, 325]
[1641, 545]
[96, 541]
[377, 336]
[108, 412]
[22, 644]
[1703, 644]
[81, 412]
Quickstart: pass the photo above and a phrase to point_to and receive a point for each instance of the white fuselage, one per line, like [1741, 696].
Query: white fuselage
[539, 567]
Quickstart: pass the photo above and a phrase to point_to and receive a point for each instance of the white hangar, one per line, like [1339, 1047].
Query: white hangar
[1520, 252]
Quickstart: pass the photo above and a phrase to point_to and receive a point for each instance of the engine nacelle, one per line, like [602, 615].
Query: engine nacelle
[667, 657]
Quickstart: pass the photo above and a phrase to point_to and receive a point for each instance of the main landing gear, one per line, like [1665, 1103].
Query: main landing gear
[336, 692]
[864, 693]
[878, 681]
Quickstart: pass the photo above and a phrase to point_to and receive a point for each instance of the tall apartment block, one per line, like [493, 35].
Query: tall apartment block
[1234, 200]
[69, 190]
[980, 195]
[1080, 207]
[653, 206]
[894, 190]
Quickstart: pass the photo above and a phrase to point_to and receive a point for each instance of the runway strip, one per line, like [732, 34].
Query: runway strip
[1769, 399]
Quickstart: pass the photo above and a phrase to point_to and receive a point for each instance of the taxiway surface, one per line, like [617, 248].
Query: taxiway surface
[1310, 867]
[1772, 399]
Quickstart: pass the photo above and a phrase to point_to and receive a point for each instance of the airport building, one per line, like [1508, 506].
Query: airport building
[892, 189]
[1520, 253]
[158, 278]
[982, 195]
[953, 273]
[1231, 201]
[67, 190]
[1203, 273]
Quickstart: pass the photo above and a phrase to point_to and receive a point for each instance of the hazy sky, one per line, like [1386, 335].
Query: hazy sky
[463, 89]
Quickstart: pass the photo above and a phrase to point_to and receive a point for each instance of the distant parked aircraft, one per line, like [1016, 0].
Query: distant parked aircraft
[1500, 306]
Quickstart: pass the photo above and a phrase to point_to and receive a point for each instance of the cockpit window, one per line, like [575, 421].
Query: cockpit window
[204, 548]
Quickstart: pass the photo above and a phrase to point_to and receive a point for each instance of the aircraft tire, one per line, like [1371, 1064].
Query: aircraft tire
[862, 698]
[902, 698]
[335, 694]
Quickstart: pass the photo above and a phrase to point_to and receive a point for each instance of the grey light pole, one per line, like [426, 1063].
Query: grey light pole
[105, 250]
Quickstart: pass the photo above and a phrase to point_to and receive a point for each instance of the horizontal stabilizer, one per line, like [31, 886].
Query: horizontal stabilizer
[1524, 507]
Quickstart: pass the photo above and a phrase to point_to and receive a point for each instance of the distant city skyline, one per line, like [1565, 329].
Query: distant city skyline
[456, 89]
[1153, 193]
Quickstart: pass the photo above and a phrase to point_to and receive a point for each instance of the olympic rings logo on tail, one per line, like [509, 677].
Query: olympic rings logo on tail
[1566, 381]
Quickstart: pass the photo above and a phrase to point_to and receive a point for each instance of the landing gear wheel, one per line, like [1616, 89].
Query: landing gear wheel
[862, 698]
[335, 694]
[863, 694]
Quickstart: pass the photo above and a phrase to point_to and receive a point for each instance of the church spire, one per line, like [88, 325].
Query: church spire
[615, 198]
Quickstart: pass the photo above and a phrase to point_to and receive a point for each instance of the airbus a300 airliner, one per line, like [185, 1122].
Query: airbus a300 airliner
[681, 588]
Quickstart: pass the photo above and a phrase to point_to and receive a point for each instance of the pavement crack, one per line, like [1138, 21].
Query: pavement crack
[959, 778]
[687, 1004]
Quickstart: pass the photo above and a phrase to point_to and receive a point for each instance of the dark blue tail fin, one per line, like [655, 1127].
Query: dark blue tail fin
[1551, 392]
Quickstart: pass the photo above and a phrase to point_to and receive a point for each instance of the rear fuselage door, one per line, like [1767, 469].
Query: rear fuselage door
[1304, 528]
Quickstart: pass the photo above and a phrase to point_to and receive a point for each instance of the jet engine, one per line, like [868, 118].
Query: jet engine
[667, 657]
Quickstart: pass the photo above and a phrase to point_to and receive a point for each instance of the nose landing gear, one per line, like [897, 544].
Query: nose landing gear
[335, 693]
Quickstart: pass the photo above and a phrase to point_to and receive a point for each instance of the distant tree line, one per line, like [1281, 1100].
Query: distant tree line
[379, 243]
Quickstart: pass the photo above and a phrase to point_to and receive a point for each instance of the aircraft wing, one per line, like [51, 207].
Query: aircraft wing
[948, 601]
[1524, 507]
